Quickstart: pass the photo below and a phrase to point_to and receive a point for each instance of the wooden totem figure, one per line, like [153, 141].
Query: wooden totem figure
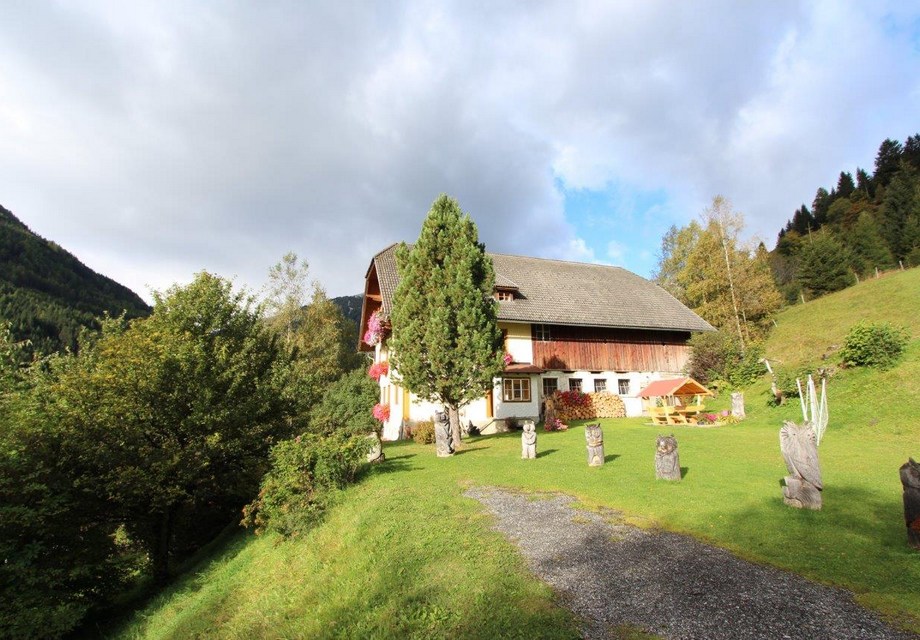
[529, 440]
[595, 439]
[799, 446]
[375, 453]
[667, 462]
[910, 478]
[443, 440]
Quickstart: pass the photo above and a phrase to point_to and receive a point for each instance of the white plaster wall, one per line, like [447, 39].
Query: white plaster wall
[518, 409]
[638, 380]
[518, 341]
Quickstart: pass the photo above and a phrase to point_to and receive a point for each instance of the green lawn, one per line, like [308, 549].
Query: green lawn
[404, 554]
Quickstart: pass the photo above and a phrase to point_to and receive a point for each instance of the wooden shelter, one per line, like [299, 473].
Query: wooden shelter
[674, 401]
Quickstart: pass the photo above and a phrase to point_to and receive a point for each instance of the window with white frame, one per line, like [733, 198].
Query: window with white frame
[623, 386]
[516, 389]
[575, 384]
[600, 385]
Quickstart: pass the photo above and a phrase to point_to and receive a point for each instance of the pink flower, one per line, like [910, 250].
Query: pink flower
[378, 369]
[374, 333]
[381, 412]
[508, 358]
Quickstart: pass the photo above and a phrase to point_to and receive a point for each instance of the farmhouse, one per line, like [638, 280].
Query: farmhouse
[567, 326]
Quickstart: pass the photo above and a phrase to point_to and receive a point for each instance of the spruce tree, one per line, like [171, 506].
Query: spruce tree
[900, 208]
[824, 265]
[446, 344]
[845, 185]
[869, 248]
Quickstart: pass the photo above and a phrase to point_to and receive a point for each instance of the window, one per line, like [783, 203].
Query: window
[541, 332]
[550, 386]
[504, 295]
[575, 384]
[600, 385]
[623, 386]
[516, 389]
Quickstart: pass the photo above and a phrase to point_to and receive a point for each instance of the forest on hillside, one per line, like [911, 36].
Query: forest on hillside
[856, 227]
[48, 296]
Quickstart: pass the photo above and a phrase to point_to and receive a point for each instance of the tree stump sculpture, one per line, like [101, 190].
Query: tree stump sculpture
[443, 439]
[910, 478]
[800, 451]
[595, 439]
[667, 462]
[375, 454]
[529, 441]
[549, 411]
[738, 405]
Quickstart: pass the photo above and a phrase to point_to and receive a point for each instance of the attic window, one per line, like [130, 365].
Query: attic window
[504, 294]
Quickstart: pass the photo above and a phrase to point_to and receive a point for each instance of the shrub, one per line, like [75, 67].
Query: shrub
[717, 355]
[346, 406]
[874, 345]
[423, 432]
[786, 380]
[304, 472]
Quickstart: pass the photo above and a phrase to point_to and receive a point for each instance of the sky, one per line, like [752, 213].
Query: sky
[158, 139]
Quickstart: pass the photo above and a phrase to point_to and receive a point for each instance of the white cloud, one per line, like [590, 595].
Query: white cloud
[157, 139]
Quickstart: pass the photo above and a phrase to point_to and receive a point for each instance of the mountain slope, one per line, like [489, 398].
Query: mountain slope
[47, 294]
[350, 306]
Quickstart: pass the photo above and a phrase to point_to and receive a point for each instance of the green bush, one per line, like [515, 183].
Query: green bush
[717, 355]
[346, 406]
[874, 345]
[303, 474]
[423, 432]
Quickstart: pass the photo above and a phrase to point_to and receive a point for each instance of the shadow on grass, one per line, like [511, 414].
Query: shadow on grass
[546, 452]
[683, 472]
[610, 457]
[857, 540]
[392, 464]
[463, 450]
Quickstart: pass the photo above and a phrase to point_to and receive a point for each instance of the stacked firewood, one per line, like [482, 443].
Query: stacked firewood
[572, 405]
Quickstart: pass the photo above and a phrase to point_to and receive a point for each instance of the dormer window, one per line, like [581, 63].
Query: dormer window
[504, 294]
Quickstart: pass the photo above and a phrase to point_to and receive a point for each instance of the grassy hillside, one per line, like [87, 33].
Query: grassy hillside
[804, 332]
[404, 554]
[48, 294]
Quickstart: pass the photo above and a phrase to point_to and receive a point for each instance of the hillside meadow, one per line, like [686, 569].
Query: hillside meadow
[403, 553]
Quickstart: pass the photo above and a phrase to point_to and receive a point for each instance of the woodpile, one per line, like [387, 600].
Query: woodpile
[570, 405]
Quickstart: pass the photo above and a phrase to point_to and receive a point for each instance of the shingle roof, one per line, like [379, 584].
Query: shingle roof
[570, 293]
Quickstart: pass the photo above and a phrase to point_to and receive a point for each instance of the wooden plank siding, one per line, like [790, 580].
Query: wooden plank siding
[602, 349]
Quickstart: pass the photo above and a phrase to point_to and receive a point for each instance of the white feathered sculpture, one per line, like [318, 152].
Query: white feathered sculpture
[799, 446]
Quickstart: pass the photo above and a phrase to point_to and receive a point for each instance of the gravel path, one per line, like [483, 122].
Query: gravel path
[671, 585]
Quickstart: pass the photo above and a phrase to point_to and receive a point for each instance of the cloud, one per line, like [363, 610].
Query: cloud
[158, 139]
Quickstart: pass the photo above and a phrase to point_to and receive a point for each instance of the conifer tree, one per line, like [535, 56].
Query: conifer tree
[446, 344]
[869, 248]
[900, 209]
[845, 185]
[824, 265]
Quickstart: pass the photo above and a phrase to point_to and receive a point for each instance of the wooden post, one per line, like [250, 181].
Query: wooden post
[910, 479]
[901, 264]
[802, 295]
[876, 273]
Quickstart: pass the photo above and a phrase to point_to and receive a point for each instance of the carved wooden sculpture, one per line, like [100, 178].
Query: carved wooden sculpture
[443, 440]
[800, 451]
[529, 440]
[375, 454]
[595, 439]
[738, 405]
[667, 462]
[549, 410]
[910, 478]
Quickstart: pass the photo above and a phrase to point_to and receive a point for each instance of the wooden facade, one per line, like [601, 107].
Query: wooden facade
[572, 348]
